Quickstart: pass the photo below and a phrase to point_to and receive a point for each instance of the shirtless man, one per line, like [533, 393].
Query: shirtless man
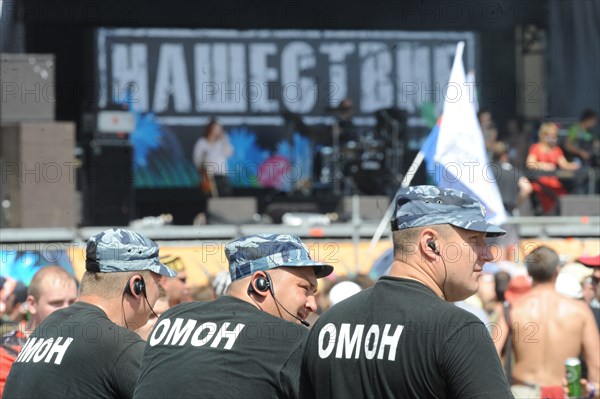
[548, 328]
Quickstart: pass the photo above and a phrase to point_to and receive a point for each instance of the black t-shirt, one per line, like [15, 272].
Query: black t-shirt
[226, 348]
[398, 339]
[77, 352]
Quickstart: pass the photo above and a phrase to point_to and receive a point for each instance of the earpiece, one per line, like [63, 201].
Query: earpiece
[431, 244]
[262, 284]
[139, 286]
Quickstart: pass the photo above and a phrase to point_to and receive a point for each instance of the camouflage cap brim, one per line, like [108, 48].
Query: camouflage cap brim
[489, 229]
[163, 270]
[421, 206]
[260, 252]
[321, 269]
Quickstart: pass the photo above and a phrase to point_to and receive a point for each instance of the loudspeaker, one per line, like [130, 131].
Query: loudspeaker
[28, 88]
[371, 207]
[580, 205]
[109, 191]
[231, 210]
[38, 169]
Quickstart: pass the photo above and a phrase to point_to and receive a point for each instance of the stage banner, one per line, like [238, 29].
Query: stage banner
[273, 90]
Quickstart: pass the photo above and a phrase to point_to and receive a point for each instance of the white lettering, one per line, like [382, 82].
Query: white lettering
[326, 351]
[338, 70]
[172, 80]
[250, 77]
[220, 71]
[298, 57]
[155, 338]
[413, 68]
[230, 335]
[377, 88]
[43, 350]
[36, 349]
[211, 327]
[350, 344]
[26, 349]
[391, 341]
[31, 350]
[371, 341]
[59, 350]
[178, 334]
[130, 74]
[263, 75]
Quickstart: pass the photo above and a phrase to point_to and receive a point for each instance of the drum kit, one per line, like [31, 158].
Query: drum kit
[356, 160]
[353, 166]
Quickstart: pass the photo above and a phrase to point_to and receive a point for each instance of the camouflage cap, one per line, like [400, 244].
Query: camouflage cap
[120, 250]
[429, 205]
[251, 254]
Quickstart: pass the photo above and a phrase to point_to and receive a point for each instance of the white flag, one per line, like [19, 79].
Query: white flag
[456, 149]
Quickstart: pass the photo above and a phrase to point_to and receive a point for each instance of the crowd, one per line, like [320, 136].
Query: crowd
[536, 169]
[448, 320]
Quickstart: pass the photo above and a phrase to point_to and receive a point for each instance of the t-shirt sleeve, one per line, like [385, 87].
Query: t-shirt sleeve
[127, 369]
[289, 375]
[558, 152]
[572, 133]
[471, 365]
[534, 150]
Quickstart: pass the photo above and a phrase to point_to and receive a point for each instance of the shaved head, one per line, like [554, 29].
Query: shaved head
[51, 288]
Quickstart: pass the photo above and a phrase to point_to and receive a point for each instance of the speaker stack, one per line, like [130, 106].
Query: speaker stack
[108, 183]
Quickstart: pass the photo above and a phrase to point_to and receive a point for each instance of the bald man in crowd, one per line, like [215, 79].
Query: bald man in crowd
[52, 288]
[548, 328]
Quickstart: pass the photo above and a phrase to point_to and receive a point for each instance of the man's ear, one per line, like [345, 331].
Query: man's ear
[31, 304]
[253, 284]
[428, 243]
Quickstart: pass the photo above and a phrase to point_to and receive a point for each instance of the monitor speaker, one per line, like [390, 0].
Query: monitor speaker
[231, 210]
[371, 207]
[108, 187]
[276, 210]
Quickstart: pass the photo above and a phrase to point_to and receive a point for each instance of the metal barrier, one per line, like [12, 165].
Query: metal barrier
[533, 226]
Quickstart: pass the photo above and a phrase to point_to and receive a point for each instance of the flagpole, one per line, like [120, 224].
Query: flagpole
[412, 170]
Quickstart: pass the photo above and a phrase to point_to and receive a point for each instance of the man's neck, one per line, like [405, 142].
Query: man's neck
[114, 311]
[544, 286]
[411, 272]
[30, 327]
[244, 296]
